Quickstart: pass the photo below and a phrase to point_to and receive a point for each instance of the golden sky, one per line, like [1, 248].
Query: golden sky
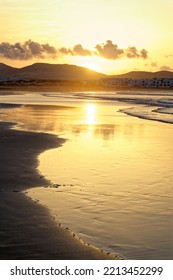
[109, 36]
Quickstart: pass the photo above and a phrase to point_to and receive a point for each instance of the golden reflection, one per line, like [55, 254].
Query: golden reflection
[90, 114]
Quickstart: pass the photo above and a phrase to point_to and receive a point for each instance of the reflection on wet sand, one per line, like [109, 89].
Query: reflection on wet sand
[90, 114]
[68, 119]
[56, 119]
[115, 175]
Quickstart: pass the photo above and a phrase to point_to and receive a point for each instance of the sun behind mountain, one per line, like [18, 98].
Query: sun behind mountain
[92, 66]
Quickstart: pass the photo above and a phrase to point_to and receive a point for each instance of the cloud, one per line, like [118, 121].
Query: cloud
[27, 50]
[144, 54]
[132, 52]
[165, 68]
[154, 64]
[31, 49]
[49, 49]
[76, 50]
[112, 51]
[79, 50]
[65, 51]
[109, 50]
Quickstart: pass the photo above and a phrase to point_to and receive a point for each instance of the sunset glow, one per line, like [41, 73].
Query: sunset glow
[120, 36]
[86, 117]
[92, 66]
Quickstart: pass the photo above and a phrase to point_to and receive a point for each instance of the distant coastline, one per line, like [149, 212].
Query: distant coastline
[69, 86]
[66, 77]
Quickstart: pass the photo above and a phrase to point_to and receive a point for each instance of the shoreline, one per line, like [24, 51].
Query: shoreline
[77, 88]
[38, 216]
[71, 233]
[27, 229]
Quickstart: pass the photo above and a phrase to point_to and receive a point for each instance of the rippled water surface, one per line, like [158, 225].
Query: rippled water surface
[113, 176]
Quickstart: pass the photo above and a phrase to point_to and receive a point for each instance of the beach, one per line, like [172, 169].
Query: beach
[86, 168]
[27, 229]
[86, 138]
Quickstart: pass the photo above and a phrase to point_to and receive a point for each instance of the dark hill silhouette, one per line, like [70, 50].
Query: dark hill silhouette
[6, 70]
[46, 71]
[144, 75]
[50, 71]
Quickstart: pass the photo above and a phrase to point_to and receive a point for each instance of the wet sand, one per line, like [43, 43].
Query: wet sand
[27, 230]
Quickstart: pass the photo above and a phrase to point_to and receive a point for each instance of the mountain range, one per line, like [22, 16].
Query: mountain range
[44, 71]
[145, 75]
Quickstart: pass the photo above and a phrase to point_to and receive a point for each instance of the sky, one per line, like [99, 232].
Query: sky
[108, 36]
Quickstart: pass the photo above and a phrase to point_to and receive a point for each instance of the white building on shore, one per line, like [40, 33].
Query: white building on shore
[142, 83]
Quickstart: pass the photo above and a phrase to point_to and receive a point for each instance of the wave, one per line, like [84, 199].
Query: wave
[156, 106]
[150, 113]
[153, 107]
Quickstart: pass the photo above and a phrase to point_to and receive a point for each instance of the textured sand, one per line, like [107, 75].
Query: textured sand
[27, 231]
